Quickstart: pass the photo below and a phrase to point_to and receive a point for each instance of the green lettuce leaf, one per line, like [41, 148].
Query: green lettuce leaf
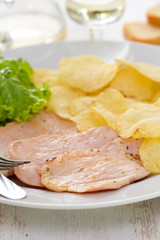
[19, 97]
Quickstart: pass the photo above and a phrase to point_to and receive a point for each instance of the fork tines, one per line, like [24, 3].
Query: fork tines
[6, 163]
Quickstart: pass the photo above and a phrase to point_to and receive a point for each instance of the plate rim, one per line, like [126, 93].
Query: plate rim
[81, 206]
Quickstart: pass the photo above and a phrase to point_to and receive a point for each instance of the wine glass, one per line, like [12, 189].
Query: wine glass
[28, 22]
[95, 14]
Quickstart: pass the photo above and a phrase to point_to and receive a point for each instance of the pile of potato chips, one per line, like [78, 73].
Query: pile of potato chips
[125, 96]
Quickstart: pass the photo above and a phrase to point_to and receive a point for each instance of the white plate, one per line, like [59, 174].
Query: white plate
[48, 56]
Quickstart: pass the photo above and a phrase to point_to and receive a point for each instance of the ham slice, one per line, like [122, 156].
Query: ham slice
[42, 123]
[41, 148]
[115, 165]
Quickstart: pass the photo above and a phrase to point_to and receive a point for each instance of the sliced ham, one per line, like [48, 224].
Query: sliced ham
[41, 148]
[42, 123]
[115, 165]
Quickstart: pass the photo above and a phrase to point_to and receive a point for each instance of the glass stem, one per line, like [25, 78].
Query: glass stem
[96, 35]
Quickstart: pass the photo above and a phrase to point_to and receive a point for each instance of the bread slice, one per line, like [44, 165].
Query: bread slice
[142, 32]
[153, 15]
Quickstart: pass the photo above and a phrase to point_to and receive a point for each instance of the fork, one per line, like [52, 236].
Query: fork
[6, 163]
[10, 190]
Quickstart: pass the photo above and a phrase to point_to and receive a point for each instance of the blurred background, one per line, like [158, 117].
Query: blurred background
[135, 10]
[26, 22]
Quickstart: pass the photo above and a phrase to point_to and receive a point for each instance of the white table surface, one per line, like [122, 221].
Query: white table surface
[139, 221]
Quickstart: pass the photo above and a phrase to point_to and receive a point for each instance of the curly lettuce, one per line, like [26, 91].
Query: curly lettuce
[19, 97]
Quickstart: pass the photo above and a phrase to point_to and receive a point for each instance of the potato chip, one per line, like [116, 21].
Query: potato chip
[104, 109]
[148, 70]
[86, 73]
[156, 95]
[110, 104]
[112, 100]
[89, 119]
[51, 77]
[150, 154]
[140, 121]
[81, 104]
[110, 117]
[132, 84]
[61, 99]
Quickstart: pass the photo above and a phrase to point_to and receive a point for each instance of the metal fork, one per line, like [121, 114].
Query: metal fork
[8, 188]
[6, 163]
